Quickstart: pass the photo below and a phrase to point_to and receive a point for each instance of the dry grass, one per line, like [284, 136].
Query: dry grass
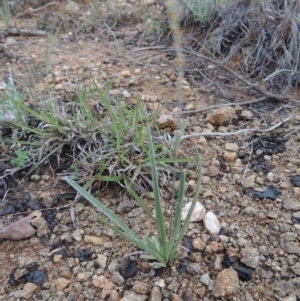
[266, 34]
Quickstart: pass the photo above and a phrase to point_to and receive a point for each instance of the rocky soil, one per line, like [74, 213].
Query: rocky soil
[251, 182]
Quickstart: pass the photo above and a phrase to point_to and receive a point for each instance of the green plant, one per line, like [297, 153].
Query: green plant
[105, 142]
[21, 158]
[203, 10]
[5, 12]
[161, 247]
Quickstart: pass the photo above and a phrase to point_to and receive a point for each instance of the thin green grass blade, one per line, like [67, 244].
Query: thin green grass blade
[194, 201]
[158, 210]
[177, 218]
[45, 118]
[136, 241]
[107, 212]
[137, 198]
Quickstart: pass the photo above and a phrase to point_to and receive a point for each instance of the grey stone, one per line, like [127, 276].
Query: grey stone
[132, 296]
[296, 214]
[102, 260]
[290, 204]
[283, 288]
[289, 298]
[117, 278]
[250, 211]
[88, 293]
[174, 286]
[296, 268]
[290, 236]
[250, 257]
[125, 206]
[290, 247]
[205, 279]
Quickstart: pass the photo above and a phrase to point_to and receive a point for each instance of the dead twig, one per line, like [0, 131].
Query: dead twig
[25, 32]
[281, 98]
[35, 10]
[243, 131]
[226, 104]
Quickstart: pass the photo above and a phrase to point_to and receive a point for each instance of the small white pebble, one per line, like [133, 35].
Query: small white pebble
[197, 215]
[212, 223]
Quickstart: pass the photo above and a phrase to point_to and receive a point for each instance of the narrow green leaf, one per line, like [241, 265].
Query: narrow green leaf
[194, 201]
[177, 219]
[137, 198]
[100, 206]
[158, 210]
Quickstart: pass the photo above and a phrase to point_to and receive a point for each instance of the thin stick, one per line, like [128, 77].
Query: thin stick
[226, 104]
[243, 131]
[250, 156]
[37, 9]
[242, 79]
[26, 32]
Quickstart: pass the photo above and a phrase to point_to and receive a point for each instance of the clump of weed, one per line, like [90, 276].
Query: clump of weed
[266, 35]
[103, 142]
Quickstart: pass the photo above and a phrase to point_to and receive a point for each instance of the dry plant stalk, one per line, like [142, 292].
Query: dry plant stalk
[173, 8]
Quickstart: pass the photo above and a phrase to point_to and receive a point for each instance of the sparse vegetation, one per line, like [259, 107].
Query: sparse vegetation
[160, 247]
[105, 142]
[5, 12]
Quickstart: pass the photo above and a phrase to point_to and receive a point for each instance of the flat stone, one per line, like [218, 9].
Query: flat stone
[233, 147]
[141, 287]
[205, 279]
[155, 294]
[125, 73]
[272, 214]
[117, 278]
[28, 290]
[296, 269]
[250, 257]
[198, 244]
[290, 204]
[250, 211]
[61, 283]
[289, 298]
[125, 206]
[212, 171]
[291, 286]
[102, 260]
[230, 156]
[151, 98]
[290, 247]
[296, 214]
[94, 240]
[132, 296]
[221, 116]
[226, 283]
[166, 120]
[114, 296]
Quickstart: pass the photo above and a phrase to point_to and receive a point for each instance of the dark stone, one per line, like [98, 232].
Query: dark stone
[128, 269]
[296, 180]
[270, 193]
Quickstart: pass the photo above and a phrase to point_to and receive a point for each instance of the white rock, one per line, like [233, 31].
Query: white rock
[212, 223]
[126, 94]
[197, 215]
[2, 85]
